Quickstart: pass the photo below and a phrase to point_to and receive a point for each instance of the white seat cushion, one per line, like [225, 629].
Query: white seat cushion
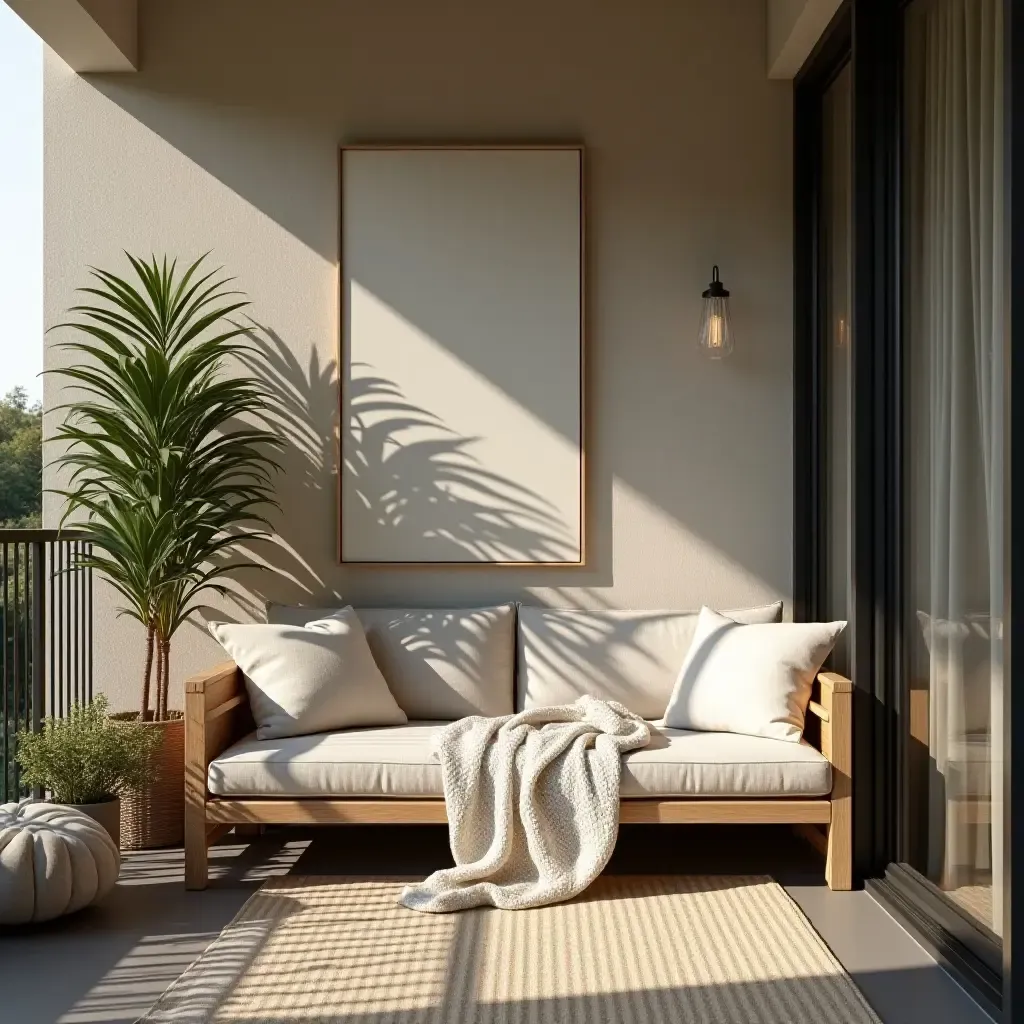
[399, 761]
[440, 663]
[721, 764]
[632, 657]
[392, 761]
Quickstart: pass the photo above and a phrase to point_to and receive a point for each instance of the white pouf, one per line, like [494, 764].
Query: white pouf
[53, 860]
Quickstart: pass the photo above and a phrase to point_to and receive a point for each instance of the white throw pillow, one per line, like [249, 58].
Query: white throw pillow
[750, 679]
[313, 678]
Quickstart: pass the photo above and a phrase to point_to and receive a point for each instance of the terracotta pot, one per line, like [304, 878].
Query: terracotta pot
[155, 815]
[106, 813]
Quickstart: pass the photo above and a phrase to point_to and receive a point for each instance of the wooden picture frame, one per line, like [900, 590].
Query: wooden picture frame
[461, 435]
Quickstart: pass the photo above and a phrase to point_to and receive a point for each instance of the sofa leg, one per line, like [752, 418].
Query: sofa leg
[839, 854]
[814, 835]
[196, 849]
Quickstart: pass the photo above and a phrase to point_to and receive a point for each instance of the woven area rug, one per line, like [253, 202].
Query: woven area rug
[640, 950]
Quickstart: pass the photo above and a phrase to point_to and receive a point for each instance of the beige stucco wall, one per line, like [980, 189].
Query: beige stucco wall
[227, 140]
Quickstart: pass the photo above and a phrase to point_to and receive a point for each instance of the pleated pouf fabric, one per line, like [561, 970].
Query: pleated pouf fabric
[54, 860]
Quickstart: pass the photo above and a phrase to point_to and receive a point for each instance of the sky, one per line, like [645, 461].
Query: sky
[21, 206]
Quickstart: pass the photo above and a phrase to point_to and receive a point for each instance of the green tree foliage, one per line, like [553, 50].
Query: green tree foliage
[21, 481]
[21, 461]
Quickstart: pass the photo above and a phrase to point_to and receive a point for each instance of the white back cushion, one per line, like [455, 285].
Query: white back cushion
[440, 663]
[629, 656]
[750, 679]
[316, 677]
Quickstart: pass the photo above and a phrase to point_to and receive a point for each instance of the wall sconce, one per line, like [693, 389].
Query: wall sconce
[715, 329]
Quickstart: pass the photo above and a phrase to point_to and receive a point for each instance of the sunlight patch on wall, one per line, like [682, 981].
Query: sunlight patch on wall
[692, 570]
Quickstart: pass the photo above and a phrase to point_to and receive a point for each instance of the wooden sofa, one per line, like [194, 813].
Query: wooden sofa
[217, 716]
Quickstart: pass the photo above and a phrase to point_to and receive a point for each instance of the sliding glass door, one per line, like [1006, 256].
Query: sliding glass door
[902, 457]
[953, 201]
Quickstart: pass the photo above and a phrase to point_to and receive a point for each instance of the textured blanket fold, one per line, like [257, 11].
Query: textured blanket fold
[532, 802]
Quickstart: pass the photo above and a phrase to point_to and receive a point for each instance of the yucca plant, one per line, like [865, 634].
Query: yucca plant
[170, 458]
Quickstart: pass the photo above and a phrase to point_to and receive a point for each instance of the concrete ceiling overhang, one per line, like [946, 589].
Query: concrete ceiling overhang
[102, 35]
[90, 35]
[794, 27]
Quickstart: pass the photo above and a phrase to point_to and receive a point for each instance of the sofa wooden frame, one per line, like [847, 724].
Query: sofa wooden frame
[217, 714]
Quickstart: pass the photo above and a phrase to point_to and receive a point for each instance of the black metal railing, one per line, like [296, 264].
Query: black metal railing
[46, 632]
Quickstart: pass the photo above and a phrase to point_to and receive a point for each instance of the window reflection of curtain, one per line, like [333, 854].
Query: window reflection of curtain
[955, 217]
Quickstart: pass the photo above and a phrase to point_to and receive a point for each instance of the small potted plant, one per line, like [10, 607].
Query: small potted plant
[88, 761]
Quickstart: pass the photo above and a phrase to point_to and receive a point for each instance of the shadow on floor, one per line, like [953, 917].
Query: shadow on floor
[109, 963]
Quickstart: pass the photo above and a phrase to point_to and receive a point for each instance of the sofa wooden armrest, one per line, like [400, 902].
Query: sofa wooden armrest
[832, 705]
[217, 714]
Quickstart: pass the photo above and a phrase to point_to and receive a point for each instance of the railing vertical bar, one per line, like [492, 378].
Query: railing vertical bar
[76, 619]
[88, 620]
[59, 583]
[81, 621]
[38, 632]
[5, 676]
[69, 678]
[38, 638]
[51, 665]
[26, 635]
[72, 611]
[15, 716]
[24, 705]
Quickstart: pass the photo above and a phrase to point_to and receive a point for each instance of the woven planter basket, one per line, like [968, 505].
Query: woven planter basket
[155, 815]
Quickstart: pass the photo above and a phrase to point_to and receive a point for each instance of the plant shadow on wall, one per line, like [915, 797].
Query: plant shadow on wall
[418, 485]
[300, 410]
[414, 480]
[413, 473]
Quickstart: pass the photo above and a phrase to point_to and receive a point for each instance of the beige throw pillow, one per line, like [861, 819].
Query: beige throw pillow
[750, 679]
[313, 678]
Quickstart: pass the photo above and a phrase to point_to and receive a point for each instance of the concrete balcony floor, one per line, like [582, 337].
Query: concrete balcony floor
[110, 962]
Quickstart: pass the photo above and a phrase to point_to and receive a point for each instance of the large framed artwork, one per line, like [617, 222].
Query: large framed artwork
[462, 355]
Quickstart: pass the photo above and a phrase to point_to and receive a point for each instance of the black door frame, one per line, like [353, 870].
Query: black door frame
[810, 451]
[869, 33]
[1013, 711]
[862, 32]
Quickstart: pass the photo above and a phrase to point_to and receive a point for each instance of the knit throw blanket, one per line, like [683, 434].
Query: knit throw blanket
[532, 802]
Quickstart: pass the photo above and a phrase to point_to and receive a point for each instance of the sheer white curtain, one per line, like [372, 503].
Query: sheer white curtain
[955, 280]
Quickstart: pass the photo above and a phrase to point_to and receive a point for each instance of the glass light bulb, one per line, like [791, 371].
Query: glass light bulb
[716, 331]
[716, 339]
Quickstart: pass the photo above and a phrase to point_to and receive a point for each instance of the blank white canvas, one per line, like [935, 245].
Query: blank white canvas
[461, 377]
